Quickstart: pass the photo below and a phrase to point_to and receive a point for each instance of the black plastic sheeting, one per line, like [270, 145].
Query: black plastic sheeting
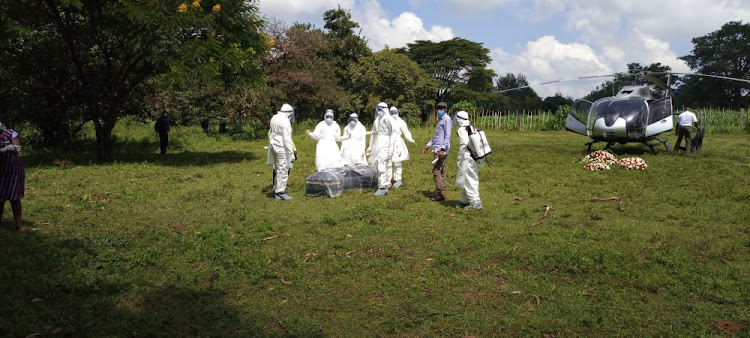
[332, 182]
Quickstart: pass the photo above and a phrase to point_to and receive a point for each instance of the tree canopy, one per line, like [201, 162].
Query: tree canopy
[395, 79]
[92, 60]
[725, 52]
[450, 62]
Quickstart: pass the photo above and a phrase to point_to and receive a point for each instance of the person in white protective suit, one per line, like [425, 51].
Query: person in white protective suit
[400, 152]
[380, 151]
[281, 151]
[327, 132]
[467, 176]
[353, 142]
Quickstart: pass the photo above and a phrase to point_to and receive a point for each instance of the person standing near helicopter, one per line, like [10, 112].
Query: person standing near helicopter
[685, 123]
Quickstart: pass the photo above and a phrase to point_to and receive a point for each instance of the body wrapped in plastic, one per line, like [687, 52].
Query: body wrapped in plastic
[333, 181]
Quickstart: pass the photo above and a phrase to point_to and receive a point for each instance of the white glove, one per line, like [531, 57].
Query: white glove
[368, 151]
[8, 148]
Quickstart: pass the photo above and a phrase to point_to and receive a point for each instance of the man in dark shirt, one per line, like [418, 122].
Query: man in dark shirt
[162, 127]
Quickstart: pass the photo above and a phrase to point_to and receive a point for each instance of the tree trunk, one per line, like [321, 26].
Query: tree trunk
[104, 140]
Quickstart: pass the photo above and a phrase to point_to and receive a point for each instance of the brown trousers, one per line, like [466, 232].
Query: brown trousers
[438, 173]
[687, 133]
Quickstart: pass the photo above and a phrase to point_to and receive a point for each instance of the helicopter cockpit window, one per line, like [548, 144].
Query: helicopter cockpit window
[659, 109]
[634, 111]
[580, 110]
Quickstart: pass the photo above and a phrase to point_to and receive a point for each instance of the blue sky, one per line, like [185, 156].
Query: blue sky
[543, 39]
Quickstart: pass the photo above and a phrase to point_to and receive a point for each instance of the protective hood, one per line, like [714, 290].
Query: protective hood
[287, 110]
[462, 118]
[381, 108]
[394, 111]
[328, 117]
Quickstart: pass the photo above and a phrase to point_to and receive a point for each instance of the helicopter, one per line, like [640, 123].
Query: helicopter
[631, 115]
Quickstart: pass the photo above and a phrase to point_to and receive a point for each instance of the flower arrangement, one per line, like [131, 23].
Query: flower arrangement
[602, 159]
[601, 156]
[633, 163]
[596, 166]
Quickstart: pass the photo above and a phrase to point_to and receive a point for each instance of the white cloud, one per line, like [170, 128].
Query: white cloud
[476, 7]
[377, 27]
[405, 28]
[547, 59]
[293, 8]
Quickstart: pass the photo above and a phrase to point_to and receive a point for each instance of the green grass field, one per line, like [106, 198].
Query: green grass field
[175, 246]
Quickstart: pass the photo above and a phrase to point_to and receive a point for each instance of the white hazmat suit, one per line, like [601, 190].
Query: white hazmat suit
[327, 132]
[467, 176]
[281, 149]
[400, 151]
[380, 151]
[353, 142]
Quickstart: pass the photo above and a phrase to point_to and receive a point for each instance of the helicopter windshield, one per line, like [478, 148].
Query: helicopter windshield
[633, 110]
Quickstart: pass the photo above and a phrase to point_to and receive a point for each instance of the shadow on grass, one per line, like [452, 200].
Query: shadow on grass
[50, 286]
[134, 152]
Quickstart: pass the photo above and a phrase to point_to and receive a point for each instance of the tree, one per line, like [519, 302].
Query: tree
[636, 75]
[450, 62]
[551, 103]
[345, 44]
[97, 57]
[520, 99]
[395, 79]
[298, 74]
[725, 52]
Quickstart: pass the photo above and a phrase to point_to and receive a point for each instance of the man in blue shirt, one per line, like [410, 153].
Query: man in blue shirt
[440, 145]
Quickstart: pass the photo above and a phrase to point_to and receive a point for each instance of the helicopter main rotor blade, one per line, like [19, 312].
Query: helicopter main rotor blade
[659, 83]
[698, 74]
[714, 76]
[555, 81]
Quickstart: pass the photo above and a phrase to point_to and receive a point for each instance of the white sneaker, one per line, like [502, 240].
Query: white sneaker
[477, 206]
[282, 196]
[398, 184]
[381, 192]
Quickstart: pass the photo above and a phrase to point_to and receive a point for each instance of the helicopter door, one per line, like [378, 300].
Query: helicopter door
[578, 116]
[659, 116]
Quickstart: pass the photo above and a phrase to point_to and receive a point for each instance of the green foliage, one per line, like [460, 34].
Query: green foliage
[451, 62]
[298, 73]
[345, 44]
[632, 77]
[725, 53]
[467, 106]
[520, 99]
[557, 122]
[395, 79]
[96, 60]
[552, 103]
[175, 246]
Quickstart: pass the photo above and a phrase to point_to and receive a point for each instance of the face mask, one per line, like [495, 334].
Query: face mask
[329, 120]
[353, 123]
[380, 112]
[462, 122]
[441, 113]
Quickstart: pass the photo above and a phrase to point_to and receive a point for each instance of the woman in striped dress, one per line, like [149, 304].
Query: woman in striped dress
[12, 175]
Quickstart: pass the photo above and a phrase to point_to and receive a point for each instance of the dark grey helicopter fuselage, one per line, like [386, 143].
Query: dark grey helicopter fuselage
[630, 116]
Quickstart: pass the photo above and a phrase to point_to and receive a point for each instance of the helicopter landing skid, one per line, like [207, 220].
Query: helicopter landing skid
[589, 144]
[663, 141]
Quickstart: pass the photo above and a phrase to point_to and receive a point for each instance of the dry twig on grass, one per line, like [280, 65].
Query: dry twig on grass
[275, 236]
[613, 198]
[539, 221]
